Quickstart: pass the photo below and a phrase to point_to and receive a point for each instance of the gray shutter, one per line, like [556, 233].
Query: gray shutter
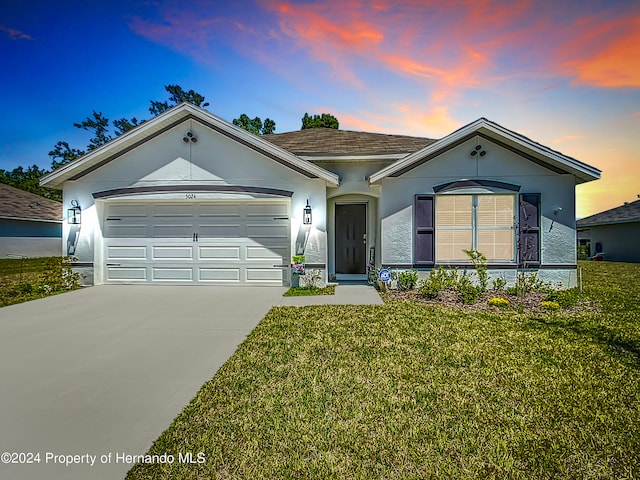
[423, 230]
[529, 229]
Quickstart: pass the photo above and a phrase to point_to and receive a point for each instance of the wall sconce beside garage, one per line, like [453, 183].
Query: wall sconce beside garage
[306, 214]
[74, 213]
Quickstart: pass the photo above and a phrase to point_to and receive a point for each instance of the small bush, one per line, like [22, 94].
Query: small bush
[564, 298]
[407, 280]
[550, 305]
[498, 283]
[468, 292]
[499, 302]
[480, 263]
[430, 289]
[526, 283]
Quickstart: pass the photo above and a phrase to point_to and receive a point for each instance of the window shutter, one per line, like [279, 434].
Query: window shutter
[529, 229]
[423, 230]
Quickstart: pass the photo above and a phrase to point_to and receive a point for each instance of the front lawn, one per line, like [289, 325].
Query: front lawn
[310, 291]
[23, 279]
[412, 390]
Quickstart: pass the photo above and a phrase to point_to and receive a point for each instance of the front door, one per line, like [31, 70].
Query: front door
[351, 238]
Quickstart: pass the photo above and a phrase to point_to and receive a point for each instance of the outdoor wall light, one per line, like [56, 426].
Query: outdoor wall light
[189, 137]
[478, 151]
[557, 210]
[306, 214]
[73, 213]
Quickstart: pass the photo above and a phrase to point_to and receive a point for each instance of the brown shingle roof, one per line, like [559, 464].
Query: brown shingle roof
[21, 204]
[629, 212]
[318, 141]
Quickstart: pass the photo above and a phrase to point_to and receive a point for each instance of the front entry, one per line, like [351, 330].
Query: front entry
[351, 238]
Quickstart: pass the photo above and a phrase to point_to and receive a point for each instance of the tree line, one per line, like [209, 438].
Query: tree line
[103, 130]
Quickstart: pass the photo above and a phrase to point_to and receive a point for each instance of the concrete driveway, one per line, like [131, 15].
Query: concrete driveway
[99, 373]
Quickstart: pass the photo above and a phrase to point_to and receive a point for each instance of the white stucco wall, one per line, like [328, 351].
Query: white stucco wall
[558, 244]
[214, 160]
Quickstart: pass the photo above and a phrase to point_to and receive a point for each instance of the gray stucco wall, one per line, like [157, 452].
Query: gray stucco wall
[620, 242]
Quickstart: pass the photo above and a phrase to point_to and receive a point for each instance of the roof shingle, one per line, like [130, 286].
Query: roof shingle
[18, 203]
[629, 212]
[321, 141]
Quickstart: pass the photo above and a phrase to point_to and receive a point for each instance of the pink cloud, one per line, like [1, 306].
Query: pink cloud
[605, 54]
[15, 34]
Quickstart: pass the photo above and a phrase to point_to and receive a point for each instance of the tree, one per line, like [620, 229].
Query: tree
[176, 97]
[255, 125]
[29, 180]
[325, 120]
[98, 125]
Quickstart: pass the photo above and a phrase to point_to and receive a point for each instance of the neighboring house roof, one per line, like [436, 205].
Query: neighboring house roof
[16, 204]
[504, 137]
[331, 141]
[627, 213]
[167, 120]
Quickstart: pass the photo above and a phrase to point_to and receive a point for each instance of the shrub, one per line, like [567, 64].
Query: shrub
[564, 298]
[407, 280]
[480, 263]
[468, 292]
[312, 279]
[528, 283]
[498, 283]
[499, 302]
[550, 305]
[430, 289]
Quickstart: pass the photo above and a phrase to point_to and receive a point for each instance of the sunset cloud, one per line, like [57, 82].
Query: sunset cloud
[15, 34]
[608, 55]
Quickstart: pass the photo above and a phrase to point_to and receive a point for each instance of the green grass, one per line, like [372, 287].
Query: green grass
[406, 390]
[306, 291]
[30, 278]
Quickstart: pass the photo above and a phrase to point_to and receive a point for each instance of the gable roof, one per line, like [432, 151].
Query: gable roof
[334, 142]
[167, 120]
[16, 204]
[504, 137]
[627, 213]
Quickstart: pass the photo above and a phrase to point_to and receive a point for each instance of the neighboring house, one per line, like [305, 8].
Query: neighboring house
[30, 225]
[613, 233]
[189, 198]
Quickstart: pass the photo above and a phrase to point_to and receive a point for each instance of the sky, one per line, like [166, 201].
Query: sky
[564, 73]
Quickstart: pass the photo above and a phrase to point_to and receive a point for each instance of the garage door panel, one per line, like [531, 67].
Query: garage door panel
[277, 254]
[267, 210]
[174, 210]
[123, 230]
[220, 275]
[130, 274]
[126, 253]
[220, 210]
[213, 230]
[172, 252]
[263, 275]
[173, 231]
[172, 274]
[266, 230]
[219, 253]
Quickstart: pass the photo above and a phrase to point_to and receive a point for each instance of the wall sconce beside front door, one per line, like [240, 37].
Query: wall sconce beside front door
[306, 215]
[74, 213]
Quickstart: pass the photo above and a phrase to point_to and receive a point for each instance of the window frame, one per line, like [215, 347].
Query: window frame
[475, 228]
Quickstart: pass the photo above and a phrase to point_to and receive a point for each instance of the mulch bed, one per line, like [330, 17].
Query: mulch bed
[530, 302]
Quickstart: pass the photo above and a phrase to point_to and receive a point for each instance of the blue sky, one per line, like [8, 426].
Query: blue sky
[566, 74]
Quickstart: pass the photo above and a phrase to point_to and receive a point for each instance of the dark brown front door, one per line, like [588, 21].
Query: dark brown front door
[351, 240]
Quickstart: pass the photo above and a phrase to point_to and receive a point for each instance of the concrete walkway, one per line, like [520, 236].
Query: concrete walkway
[103, 371]
[345, 295]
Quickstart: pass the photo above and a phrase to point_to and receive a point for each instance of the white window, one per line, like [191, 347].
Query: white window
[481, 222]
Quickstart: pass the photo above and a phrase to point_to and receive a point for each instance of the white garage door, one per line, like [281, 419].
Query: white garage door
[245, 242]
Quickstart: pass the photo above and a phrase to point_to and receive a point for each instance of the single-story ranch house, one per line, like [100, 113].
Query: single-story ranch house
[613, 233]
[30, 225]
[188, 198]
